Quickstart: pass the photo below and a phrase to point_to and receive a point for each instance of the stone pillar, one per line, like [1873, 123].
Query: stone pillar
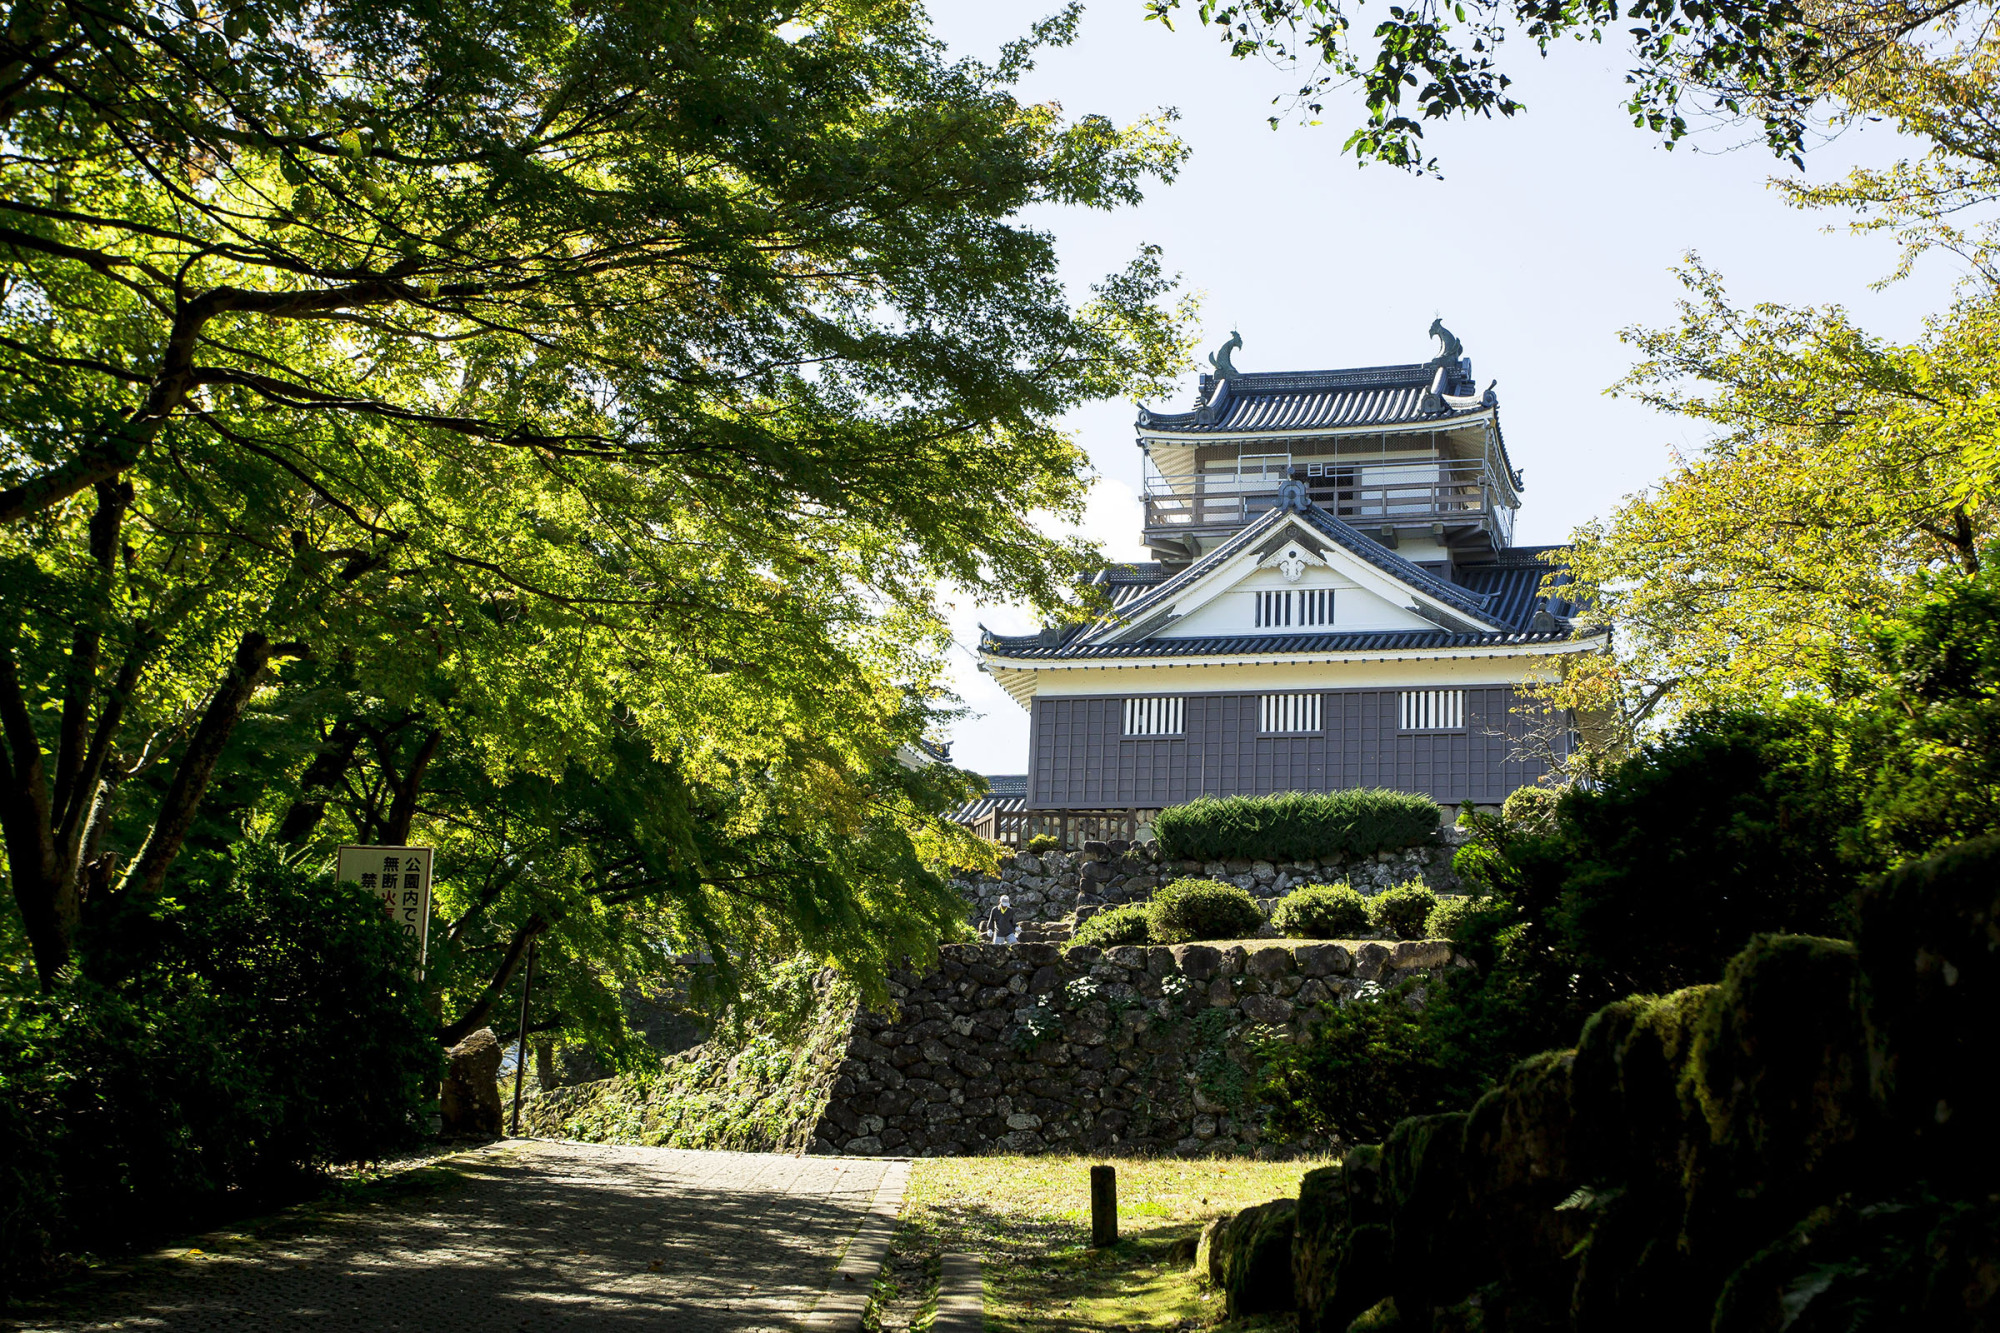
[470, 1102]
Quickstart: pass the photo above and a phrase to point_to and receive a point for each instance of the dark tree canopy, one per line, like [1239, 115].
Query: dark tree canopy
[523, 398]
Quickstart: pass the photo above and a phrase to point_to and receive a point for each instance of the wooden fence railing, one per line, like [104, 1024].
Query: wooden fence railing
[1070, 828]
[1001, 826]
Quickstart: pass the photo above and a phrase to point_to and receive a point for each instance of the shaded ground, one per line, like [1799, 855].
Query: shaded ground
[1028, 1219]
[522, 1236]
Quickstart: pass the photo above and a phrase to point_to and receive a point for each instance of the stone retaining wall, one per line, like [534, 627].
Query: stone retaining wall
[1029, 1047]
[1055, 891]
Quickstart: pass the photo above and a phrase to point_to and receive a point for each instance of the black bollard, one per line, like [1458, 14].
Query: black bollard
[1103, 1206]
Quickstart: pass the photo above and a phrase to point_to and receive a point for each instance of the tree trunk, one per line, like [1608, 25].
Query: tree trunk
[403, 808]
[197, 765]
[43, 888]
[316, 784]
[43, 821]
[475, 1017]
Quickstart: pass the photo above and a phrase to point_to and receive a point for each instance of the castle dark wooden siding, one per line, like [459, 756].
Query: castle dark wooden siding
[1082, 759]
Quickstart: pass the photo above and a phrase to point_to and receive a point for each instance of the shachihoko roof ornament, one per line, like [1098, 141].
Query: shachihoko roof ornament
[1453, 348]
[1225, 369]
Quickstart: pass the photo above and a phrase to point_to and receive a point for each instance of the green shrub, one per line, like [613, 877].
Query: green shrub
[1041, 842]
[219, 1043]
[1452, 918]
[1404, 911]
[1531, 809]
[1321, 913]
[1201, 909]
[1129, 924]
[1292, 826]
[1356, 1072]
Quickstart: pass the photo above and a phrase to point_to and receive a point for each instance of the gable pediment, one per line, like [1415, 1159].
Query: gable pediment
[1298, 570]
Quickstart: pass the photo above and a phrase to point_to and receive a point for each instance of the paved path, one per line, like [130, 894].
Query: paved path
[536, 1236]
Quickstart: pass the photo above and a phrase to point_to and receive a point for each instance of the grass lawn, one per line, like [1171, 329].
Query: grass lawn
[1028, 1220]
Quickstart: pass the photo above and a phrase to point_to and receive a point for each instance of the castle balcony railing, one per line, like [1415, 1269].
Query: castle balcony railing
[1455, 493]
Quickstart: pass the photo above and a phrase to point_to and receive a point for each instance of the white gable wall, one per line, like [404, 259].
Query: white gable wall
[1356, 609]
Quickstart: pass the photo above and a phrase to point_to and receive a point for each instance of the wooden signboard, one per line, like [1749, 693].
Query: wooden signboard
[400, 879]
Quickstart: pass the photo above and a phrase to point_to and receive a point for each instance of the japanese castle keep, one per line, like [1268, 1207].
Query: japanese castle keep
[1334, 600]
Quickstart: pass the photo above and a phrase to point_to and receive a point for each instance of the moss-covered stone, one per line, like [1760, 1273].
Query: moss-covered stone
[1379, 1318]
[1424, 1183]
[1915, 1261]
[1778, 1069]
[1250, 1259]
[1631, 1116]
[1340, 1250]
[1930, 1001]
[1521, 1165]
[1634, 1128]
[1207, 1259]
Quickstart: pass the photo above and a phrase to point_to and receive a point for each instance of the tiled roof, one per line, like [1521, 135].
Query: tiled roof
[1005, 792]
[1317, 400]
[1514, 585]
[1376, 641]
[1124, 582]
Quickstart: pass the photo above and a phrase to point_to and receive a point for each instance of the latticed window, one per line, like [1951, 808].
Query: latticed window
[1274, 610]
[1279, 713]
[1154, 717]
[1433, 710]
[1316, 606]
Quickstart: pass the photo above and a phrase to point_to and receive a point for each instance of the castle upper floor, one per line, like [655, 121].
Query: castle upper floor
[1412, 455]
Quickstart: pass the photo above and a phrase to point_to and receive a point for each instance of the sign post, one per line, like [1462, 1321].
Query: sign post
[400, 879]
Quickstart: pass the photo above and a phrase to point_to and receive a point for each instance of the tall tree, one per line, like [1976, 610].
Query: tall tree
[1843, 469]
[652, 364]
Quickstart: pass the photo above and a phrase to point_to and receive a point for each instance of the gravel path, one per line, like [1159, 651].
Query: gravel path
[534, 1236]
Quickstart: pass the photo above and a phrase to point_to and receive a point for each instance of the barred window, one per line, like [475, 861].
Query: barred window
[1433, 710]
[1274, 610]
[1316, 606]
[1279, 713]
[1154, 717]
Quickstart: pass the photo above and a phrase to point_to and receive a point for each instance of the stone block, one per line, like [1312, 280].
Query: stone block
[1421, 954]
[1198, 962]
[469, 1103]
[864, 1147]
[1371, 960]
[1271, 963]
[1265, 1009]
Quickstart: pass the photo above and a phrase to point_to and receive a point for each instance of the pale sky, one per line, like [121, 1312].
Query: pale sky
[1549, 233]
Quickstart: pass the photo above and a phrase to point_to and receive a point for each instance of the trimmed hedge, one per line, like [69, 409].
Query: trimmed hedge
[1292, 826]
[1452, 916]
[1404, 911]
[1129, 924]
[1331, 912]
[1202, 909]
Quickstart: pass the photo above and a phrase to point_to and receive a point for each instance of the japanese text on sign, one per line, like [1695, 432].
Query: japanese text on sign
[400, 879]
